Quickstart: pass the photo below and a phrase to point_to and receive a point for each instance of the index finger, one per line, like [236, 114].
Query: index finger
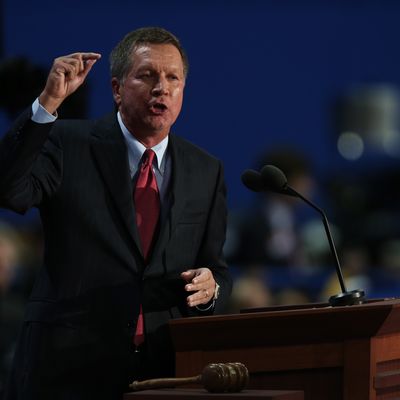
[188, 275]
[91, 56]
[85, 55]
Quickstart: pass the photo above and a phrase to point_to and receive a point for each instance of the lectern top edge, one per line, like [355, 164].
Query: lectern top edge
[300, 326]
[313, 308]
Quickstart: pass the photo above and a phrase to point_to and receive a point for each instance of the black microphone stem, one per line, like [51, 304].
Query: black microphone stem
[274, 180]
[328, 234]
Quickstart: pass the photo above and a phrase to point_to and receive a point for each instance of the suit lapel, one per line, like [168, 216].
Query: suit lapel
[109, 151]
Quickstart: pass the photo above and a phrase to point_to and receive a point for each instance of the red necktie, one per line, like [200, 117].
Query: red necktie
[147, 206]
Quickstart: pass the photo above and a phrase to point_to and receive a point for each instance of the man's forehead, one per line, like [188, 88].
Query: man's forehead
[157, 57]
[156, 51]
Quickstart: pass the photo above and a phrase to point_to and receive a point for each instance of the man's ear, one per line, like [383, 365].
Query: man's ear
[116, 87]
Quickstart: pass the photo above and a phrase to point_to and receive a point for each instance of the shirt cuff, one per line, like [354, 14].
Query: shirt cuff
[40, 115]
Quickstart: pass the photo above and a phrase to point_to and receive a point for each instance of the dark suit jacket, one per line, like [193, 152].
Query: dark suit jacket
[83, 309]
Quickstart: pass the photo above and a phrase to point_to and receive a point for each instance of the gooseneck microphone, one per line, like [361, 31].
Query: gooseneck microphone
[273, 179]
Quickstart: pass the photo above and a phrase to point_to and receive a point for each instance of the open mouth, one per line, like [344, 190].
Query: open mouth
[158, 108]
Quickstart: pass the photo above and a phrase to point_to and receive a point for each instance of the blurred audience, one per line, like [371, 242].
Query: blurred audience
[19, 252]
[250, 291]
[279, 250]
[268, 233]
[292, 296]
[278, 231]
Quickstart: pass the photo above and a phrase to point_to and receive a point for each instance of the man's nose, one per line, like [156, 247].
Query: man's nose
[160, 87]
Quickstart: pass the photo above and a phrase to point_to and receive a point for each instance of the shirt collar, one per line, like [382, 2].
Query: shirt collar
[136, 149]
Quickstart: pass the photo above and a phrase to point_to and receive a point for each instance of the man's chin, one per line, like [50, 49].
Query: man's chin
[158, 124]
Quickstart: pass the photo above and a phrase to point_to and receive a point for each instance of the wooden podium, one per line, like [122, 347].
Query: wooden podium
[348, 353]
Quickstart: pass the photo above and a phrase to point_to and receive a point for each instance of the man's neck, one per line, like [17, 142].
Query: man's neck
[148, 138]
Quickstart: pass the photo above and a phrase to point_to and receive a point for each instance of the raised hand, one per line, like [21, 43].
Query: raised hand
[66, 75]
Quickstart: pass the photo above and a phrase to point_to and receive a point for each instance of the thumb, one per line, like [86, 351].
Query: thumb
[88, 66]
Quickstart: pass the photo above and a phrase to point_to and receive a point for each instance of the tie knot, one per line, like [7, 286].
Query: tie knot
[148, 157]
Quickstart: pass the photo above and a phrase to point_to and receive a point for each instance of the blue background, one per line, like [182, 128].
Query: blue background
[261, 72]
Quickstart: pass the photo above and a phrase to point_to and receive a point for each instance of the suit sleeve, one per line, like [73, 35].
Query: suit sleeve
[211, 250]
[30, 164]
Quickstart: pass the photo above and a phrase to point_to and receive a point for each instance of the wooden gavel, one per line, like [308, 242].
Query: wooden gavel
[215, 377]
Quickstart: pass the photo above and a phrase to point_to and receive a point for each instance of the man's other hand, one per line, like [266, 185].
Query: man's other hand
[201, 282]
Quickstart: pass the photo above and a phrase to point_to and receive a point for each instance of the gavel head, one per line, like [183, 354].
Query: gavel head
[228, 377]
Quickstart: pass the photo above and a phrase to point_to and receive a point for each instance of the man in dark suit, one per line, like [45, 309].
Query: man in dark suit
[79, 335]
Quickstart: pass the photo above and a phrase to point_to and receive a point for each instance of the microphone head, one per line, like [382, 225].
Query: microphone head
[274, 179]
[253, 180]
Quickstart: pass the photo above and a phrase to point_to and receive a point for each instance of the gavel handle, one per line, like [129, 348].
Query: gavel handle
[163, 383]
